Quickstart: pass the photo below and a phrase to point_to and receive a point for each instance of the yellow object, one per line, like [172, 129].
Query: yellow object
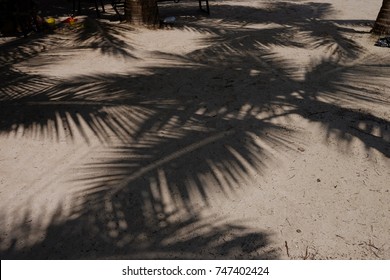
[51, 21]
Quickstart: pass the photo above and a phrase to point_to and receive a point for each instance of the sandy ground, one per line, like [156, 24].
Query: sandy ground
[260, 131]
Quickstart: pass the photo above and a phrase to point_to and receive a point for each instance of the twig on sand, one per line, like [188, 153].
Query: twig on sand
[285, 245]
[371, 246]
[306, 253]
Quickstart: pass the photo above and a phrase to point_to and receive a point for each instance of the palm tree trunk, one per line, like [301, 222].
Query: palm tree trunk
[382, 23]
[141, 12]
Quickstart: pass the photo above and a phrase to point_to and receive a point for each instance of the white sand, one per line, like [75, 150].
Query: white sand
[261, 131]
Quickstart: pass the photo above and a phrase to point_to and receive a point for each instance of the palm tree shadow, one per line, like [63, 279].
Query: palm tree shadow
[336, 83]
[143, 197]
[191, 153]
[153, 144]
[285, 24]
[118, 236]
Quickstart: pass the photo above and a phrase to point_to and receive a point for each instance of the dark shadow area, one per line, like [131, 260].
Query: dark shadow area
[26, 17]
[127, 235]
[179, 143]
[182, 8]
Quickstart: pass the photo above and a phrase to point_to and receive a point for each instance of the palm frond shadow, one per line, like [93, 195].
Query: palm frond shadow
[107, 37]
[329, 84]
[196, 151]
[332, 80]
[285, 24]
[40, 107]
[182, 144]
[125, 235]
[372, 131]
[191, 162]
[22, 49]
